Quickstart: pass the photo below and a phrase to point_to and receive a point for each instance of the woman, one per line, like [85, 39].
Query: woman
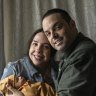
[39, 65]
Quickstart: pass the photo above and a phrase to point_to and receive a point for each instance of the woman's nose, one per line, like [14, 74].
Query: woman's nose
[39, 49]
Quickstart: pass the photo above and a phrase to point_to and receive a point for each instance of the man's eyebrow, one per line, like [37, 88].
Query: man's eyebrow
[56, 24]
[46, 31]
[52, 26]
[34, 41]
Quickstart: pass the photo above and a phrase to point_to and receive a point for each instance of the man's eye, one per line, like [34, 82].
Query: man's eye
[47, 33]
[58, 26]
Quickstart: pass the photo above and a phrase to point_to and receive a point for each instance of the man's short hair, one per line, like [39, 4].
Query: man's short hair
[62, 12]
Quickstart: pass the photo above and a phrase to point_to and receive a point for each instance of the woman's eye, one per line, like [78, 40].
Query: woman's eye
[46, 47]
[34, 44]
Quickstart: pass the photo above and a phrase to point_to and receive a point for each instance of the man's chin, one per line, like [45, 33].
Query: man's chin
[59, 48]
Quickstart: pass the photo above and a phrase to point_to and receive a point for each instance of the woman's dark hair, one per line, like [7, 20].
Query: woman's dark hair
[53, 51]
[62, 12]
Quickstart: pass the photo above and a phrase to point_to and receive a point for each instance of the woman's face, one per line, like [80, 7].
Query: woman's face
[40, 50]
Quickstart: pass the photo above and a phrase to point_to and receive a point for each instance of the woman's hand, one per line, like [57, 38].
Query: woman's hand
[14, 92]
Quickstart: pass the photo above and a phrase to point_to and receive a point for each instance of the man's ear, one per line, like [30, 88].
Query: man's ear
[72, 24]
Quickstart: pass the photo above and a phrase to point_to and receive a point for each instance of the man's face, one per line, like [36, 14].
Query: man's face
[58, 31]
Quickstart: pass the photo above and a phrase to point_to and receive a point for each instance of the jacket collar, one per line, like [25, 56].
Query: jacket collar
[68, 51]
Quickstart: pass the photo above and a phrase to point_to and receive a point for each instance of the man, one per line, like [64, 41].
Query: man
[77, 70]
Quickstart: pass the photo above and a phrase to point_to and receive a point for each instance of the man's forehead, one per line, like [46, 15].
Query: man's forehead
[52, 18]
[50, 24]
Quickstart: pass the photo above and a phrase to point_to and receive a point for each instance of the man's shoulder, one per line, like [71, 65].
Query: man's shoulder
[86, 45]
[83, 43]
[84, 48]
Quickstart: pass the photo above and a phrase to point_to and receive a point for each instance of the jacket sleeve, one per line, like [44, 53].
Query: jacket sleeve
[77, 75]
[8, 70]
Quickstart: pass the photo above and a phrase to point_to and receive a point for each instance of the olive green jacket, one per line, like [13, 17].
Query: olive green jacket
[77, 72]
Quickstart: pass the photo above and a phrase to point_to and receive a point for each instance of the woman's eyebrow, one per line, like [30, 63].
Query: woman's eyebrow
[42, 43]
[47, 44]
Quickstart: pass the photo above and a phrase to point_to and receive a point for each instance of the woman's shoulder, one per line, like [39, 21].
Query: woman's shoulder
[18, 62]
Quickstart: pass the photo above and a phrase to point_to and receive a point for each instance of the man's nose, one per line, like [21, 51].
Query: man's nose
[55, 35]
